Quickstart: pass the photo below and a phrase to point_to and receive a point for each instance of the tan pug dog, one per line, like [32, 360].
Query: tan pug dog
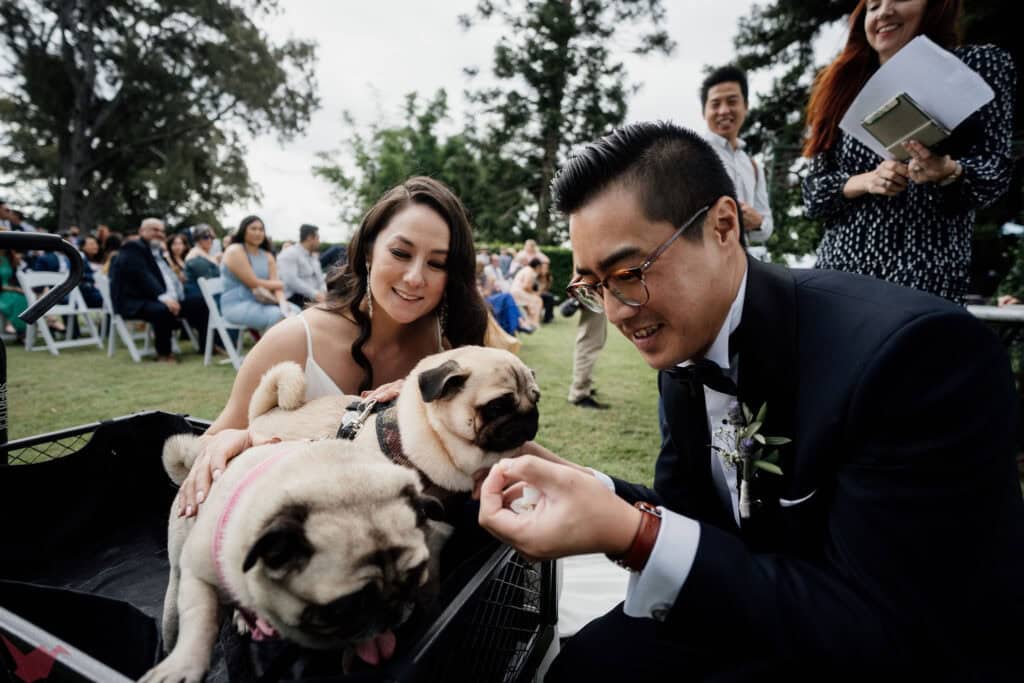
[322, 542]
[459, 412]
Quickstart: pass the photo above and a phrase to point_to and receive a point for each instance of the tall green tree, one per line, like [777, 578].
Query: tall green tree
[390, 153]
[130, 107]
[779, 36]
[559, 84]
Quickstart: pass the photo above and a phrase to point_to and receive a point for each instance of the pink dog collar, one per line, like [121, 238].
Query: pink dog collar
[260, 629]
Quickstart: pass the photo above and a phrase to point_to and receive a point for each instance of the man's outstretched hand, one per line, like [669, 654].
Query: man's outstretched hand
[574, 512]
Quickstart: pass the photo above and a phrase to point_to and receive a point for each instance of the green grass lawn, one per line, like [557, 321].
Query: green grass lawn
[47, 393]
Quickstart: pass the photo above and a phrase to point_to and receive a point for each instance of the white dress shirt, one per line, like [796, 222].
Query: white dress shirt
[300, 271]
[652, 592]
[751, 187]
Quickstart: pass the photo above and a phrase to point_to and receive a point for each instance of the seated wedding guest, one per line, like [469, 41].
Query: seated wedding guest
[143, 286]
[18, 222]
[199, 262]
[505, 260]
[529, 252]
[908, 223]
[299, 266]
[12, 299]
[57, 262]
[92, 252]
[87, 285]
[102, 233]
[176, 248]
[334, 257]
[408, 291]
[111, 245]
[503, 317]
[496, 275]
[834, 498]
[253, 295]
[525, 290]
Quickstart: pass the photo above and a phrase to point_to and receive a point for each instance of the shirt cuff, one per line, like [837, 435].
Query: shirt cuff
[164, 298]
[603, 478]
[653, 592]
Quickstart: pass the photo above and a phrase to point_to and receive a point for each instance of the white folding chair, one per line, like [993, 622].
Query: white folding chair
[29, 281]
[100, 313]
[117, 328]
[211, 287]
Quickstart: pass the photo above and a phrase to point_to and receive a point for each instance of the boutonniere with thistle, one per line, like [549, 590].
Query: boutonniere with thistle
[741, 445]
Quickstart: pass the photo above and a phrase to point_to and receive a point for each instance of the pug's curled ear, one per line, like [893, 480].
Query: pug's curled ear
[282, 545]
[444, 381]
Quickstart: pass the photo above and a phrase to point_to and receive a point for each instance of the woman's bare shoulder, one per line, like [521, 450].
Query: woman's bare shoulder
[284, 341]
[334, 324]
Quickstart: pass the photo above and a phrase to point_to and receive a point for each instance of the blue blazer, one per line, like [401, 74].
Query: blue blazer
[908, 537]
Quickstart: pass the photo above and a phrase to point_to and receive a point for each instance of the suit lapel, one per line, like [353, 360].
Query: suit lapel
[766, 347]
[683, 478]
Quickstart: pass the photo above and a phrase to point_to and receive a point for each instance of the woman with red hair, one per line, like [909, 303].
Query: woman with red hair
[909, 223]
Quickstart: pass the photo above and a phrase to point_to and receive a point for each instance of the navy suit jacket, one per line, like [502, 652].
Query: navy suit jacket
[906, 553]
[135, 278]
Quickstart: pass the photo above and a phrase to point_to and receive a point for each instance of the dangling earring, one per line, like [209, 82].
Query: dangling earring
[369, 295]
[442, 315]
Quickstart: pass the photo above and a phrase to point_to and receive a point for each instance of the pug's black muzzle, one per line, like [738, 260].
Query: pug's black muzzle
[362, 614]
[508, 431]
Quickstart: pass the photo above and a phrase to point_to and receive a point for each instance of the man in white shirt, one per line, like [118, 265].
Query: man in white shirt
[724, 99]
[833, 499]
[299, 269]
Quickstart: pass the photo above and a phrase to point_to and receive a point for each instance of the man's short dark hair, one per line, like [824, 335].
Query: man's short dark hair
[723, 74]
[306, 231]
[672, 170]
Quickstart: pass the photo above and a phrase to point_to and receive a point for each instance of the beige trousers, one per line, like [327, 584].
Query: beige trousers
[590, 338]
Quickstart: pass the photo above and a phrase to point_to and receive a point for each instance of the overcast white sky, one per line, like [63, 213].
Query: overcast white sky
[372, 53]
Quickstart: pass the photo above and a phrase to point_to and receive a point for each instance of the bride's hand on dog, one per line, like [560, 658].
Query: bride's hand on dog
[218, 449]
[385, 392]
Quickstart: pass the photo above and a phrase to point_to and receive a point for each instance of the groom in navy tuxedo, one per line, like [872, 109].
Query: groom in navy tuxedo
[884, 538]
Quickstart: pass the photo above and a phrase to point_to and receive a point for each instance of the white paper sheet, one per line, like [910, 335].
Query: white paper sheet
[935, 78]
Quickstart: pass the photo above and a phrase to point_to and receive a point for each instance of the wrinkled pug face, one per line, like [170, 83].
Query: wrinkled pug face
[488, 397]
[346, 561]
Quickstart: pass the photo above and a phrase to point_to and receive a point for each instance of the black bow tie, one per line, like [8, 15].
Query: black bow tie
[707, 373]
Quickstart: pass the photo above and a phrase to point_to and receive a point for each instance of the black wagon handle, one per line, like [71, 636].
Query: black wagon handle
[28, 241]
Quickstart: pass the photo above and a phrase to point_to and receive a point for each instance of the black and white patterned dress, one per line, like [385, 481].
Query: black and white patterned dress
[920, 238]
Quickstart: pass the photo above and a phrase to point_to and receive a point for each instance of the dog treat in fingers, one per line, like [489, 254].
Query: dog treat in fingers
[527, 502]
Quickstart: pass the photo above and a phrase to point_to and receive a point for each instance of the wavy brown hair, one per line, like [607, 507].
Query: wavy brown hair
[346, 286]
[838, 84]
